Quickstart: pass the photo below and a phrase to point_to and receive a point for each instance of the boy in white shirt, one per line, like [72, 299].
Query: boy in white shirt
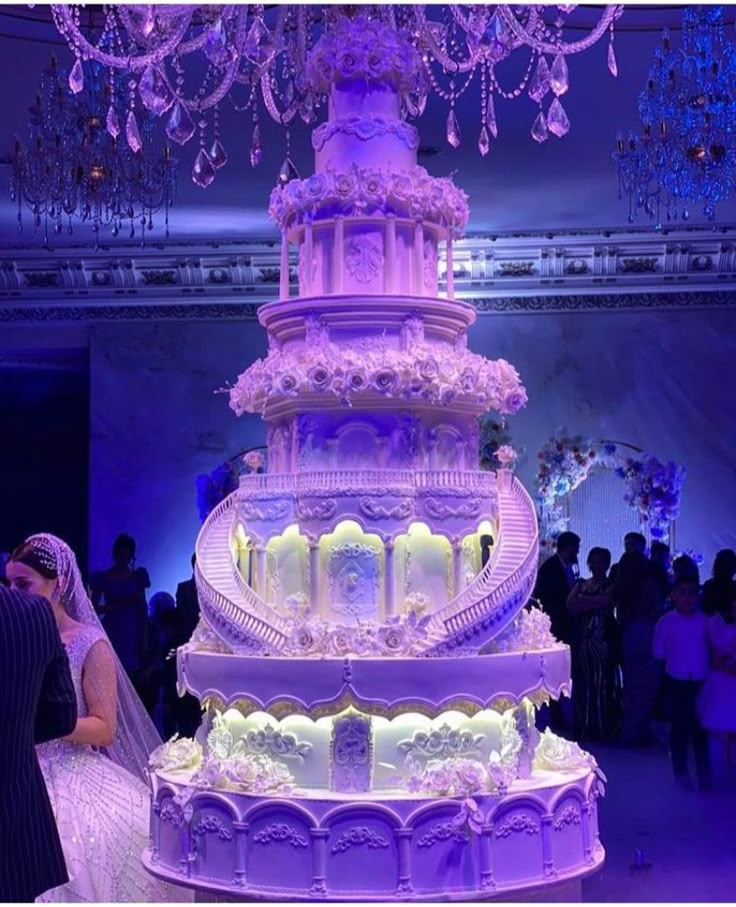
[681, 642]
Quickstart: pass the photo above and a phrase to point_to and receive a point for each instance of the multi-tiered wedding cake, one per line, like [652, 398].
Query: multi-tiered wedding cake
[369, 675]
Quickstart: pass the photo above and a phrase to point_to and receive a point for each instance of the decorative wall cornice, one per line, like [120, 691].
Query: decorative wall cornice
[562, 271]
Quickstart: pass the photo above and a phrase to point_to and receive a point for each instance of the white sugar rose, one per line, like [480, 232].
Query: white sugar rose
[556, 754]
[243, 773]
[318, 377]
[438, 777]
[428, 369]
[471, 775]
[384, 380]
[315, 187]
[288, 384]
[211, 773]
[176, 755]
[357, 379]
[394, 638]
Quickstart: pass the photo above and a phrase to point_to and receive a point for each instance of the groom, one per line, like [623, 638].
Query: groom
[37, 703]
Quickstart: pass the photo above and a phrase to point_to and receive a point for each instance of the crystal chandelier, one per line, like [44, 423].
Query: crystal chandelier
[184, 61]
[686, 153]
[77, 166]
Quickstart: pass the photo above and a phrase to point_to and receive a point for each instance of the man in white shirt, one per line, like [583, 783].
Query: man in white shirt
[681, 642]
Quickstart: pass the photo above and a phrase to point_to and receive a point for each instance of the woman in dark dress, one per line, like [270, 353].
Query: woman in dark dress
[119, 596]
[596, 676]
[639, 604]
[717, 590]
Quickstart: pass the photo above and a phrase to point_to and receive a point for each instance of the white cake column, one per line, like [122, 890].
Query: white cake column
[308, 258]
[457, 565]
[388, 579]
[284, 272]
[418, 258]
[524, 716]
[450, 275]
[261, 581]
[314, 575]
[389, 273]
[338, 254]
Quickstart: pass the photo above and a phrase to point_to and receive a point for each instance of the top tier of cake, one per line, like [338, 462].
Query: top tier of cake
[369, 221]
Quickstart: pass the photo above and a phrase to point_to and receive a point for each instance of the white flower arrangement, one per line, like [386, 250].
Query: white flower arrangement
[254, 460]
[422, 372]
[311, 636]
[530, 632]
[226, 765]
[363, 49]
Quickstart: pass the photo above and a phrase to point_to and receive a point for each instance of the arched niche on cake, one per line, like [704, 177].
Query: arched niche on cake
[433, 564]
[447, 448]
[287, 566]
[241, 546]
[357, 444]
[423, 566]
[350, 584]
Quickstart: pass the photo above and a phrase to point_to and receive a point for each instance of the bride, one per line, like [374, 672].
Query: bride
[95, 776]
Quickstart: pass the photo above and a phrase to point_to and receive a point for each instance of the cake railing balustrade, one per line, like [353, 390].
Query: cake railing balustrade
[345, 479]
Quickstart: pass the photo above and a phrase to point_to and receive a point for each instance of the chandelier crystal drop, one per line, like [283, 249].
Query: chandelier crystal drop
[187, 59]
[685, 153]
[79, 165]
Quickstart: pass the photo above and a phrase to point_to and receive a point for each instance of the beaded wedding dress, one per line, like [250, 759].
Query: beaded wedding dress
[100, 801]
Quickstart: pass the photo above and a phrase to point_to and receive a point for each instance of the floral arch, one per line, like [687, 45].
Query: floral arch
[651, 488]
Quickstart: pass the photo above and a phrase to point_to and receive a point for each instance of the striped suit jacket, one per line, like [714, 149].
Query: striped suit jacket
[37, 703]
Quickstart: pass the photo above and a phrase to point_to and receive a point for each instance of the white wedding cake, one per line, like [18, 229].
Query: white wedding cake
[369, 682]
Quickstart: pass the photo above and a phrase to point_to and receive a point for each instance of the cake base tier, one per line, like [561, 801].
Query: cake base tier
[377, 686]
[398, 847]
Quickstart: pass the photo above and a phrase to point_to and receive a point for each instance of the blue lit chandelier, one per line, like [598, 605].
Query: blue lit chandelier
[685, 155]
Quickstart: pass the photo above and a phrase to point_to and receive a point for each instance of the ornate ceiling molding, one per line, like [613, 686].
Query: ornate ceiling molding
[531, 272]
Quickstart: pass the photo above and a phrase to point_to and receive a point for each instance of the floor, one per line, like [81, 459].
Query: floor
[688, 838]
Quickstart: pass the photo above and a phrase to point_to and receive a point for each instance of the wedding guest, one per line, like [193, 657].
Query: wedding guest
[486, 543]
[37, 704]
[680, 641]
[638, 604]
[717, 705]
[660, 561]
[119, 595]
[596, 677]
[555, 579]
[186, 710]
[187, 602]
[684, 567]
[717, 590]
[150, 678]
[633, 542]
